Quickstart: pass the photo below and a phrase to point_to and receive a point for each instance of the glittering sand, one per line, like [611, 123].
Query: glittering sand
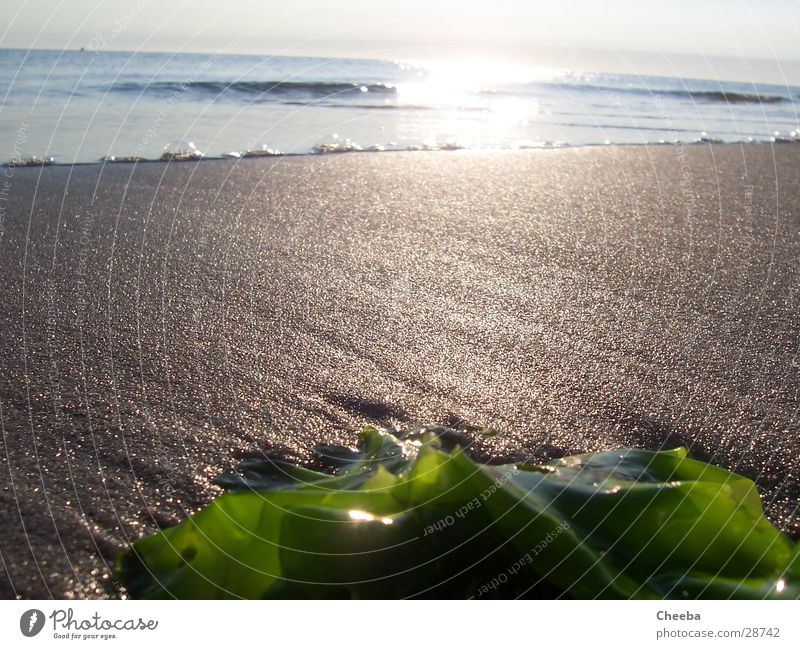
[160, 322]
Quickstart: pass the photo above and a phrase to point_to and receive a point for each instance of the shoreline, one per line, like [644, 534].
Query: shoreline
[444, 148]
[164, 322]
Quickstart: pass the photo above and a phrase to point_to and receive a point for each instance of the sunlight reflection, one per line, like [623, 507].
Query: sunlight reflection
[467, 83]
[480, 101]
[359, 515]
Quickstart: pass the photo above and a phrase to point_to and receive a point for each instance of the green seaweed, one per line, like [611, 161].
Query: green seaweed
[413, 516]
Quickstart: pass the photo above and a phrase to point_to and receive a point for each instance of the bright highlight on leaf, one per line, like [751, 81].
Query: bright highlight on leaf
[414, 516]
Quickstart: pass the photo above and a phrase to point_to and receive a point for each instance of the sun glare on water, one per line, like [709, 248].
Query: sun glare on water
[448, 82]
[478, 99]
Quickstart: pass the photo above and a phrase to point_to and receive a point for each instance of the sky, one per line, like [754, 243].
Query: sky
[743, 39]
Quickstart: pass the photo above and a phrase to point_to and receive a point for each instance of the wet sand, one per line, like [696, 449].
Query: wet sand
[160, 322]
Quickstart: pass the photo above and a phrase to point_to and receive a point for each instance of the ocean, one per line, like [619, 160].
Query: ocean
[84, 106]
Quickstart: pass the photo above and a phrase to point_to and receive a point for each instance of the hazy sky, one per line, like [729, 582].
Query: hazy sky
[550, 31]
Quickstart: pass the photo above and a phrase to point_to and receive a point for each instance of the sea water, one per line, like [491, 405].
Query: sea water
[83, 106]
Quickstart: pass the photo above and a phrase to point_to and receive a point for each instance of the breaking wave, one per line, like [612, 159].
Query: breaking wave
[253, 88]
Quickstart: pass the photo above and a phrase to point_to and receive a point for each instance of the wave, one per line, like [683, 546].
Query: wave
[253, 88]
[706, 96]
[313, 90]
[723, 96]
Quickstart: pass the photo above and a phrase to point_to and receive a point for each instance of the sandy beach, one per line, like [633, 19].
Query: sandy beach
[160, 322]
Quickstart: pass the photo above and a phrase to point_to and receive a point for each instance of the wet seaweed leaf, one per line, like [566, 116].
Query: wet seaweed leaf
[413, 515]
